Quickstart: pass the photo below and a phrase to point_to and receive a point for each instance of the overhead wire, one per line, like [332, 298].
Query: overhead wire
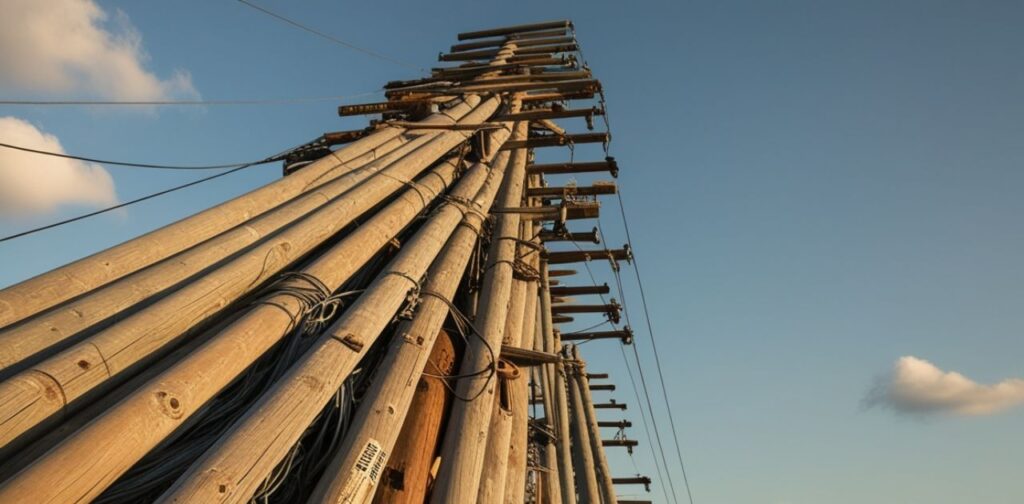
[643, 380]
[331, 38]
[161, 103]
[120, 205]
[661, 466]
[654, 345]
[640, 370]
[646, 390]
[136, 165]
[235, 168]
[643, 299]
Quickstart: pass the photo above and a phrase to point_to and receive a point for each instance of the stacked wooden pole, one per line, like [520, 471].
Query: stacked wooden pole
[447, 227]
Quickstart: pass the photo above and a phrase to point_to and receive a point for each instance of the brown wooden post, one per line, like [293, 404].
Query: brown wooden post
[406, 478]
[126, 284]
[136, 425]
[604, 476]
[557, 478]
[495, 466]
[565, 460]
[582, 452]
[99, 362]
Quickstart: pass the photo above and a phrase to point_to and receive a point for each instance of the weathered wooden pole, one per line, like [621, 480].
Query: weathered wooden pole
[609, 165]
[262, 437]
[625, 335]
[59, 325]
[406, 478]
[553, 479]
[49, 289]
[386, 403]
[534, 115]
[635, 480]
[597, 189]
[580, 290]
[566, 236]
[624, 443]
[582, 452]
[515, 480]
[517, 30]
[604, 477]
[559, 140]
[102, 360]
[611, 310]
[572, 256]
[494, 470]
[558, 394]
[467, 46]
[495, 460]
[462, 458]
[548, 474]
[127, 432]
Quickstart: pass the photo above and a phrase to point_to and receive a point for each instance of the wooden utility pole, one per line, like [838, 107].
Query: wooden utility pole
[604, 476]
[554, 479]
[407, 476]
[566, 470]
[34, 295]
[101, 361]
[582, 452]
[184, 388]
[461, 454]
[515, 481]
[49, 330]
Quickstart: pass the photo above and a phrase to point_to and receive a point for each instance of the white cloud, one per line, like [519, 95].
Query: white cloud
[31, 183]
[917, 386]
[61, 46]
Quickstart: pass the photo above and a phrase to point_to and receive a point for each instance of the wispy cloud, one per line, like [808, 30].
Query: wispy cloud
[917, 387]
[63, 46]
[30, 183]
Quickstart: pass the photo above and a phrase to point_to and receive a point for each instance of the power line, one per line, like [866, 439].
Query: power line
[122, 205]
[256, 101]
[138, 165]
[647, 395]
[667, 477]
[330, 37]
[654, 345]
[234, 168]
[643, 300]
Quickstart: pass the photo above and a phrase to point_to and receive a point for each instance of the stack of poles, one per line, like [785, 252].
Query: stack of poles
[112, 356]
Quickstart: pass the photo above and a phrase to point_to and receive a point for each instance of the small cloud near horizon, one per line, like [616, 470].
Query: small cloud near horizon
[918, 387]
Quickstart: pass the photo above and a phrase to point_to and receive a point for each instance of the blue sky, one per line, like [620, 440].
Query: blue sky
[815, 189]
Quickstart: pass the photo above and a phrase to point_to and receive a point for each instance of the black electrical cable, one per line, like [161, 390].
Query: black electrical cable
[138, 165]
[122, 205]
[654, 345]
[663, 464]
